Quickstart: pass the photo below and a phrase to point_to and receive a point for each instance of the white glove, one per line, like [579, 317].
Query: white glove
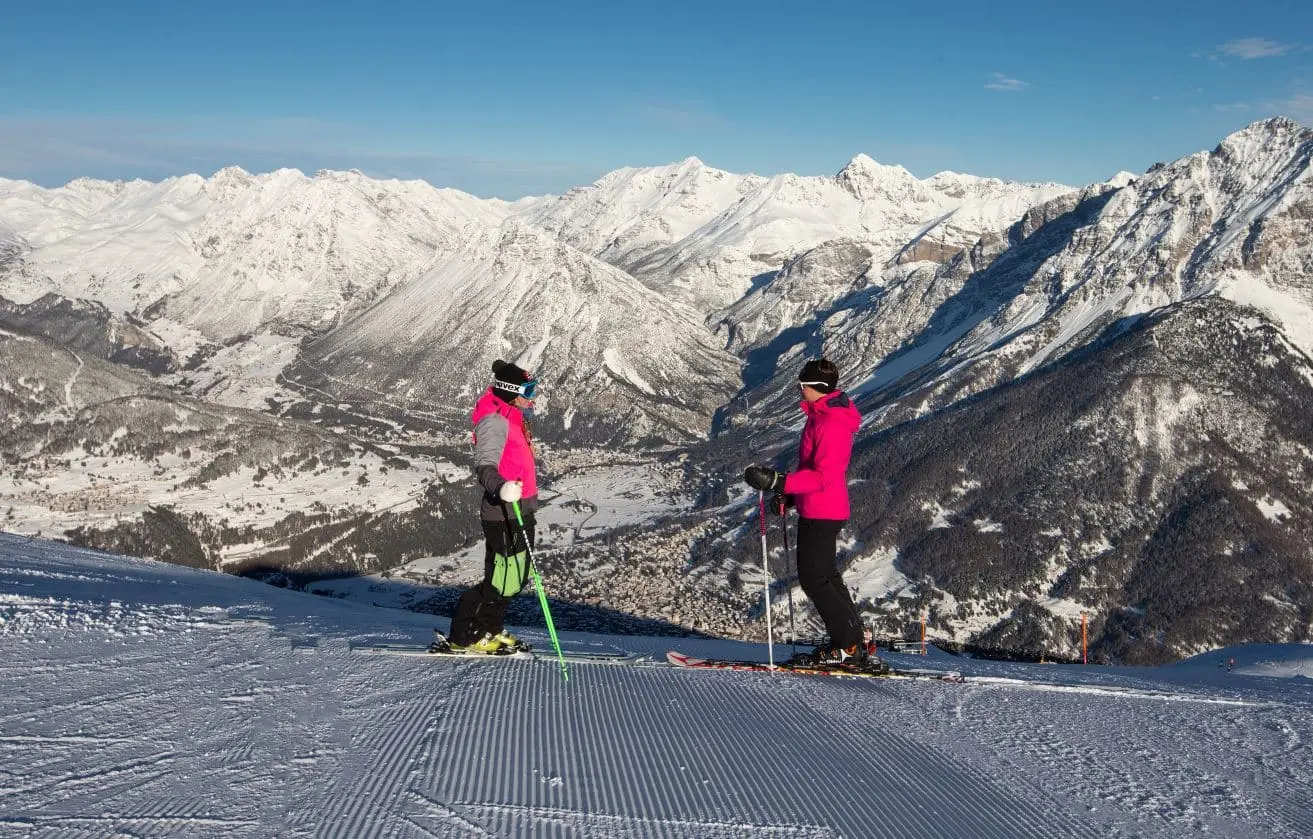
[511, 491]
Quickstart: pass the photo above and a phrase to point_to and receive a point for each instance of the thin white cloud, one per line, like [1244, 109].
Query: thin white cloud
[1248, 49]
[1006, 84]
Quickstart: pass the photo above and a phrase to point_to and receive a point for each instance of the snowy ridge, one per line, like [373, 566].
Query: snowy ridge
[235, 269]
[604, 346]
[765, 220]
[632, 210]
[234, 253]
[1211, 222]
[263, 721]
[1233, 222]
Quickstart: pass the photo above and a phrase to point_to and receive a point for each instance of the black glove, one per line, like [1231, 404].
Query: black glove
[763, 478]
[780, 503]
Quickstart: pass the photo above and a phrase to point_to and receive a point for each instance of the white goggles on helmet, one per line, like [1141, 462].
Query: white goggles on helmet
[524, 389]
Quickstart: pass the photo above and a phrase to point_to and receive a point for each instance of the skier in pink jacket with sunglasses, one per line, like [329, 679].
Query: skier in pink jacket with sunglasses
[819, 489]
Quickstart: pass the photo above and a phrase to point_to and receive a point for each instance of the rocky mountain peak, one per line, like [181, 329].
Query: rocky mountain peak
[867, 179]
[1277, 137]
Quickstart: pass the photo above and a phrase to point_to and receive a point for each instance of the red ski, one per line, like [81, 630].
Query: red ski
[679, 659]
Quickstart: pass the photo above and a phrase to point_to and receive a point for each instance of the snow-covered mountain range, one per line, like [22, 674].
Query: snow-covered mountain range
[339, 258]
[1167, 318]
[701, 235]
[235, 253]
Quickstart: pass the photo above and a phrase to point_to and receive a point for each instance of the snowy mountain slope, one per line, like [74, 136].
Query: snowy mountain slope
[787, 214]
[234, 253]
[885, 322]
[1188, 437]
[631, 211]
[264, 722]
[616, 360]
[700, 235]
[805, 285]
[1234, 222]
[87, 326]
[102, 456]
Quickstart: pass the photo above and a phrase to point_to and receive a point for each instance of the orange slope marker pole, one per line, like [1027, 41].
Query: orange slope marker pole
[1084, 641]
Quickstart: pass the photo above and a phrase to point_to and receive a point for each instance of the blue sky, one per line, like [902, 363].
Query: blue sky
[513, 98]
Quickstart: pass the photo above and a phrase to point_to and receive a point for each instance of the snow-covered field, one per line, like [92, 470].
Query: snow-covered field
[141, 699]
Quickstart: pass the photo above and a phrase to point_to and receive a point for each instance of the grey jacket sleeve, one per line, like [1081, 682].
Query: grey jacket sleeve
[490, 436]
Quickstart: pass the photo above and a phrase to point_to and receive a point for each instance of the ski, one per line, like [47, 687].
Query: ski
[683, 660]
[673, 658]
[430, 651]
[679, 659]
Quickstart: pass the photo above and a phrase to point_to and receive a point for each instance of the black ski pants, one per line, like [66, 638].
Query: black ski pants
[482, 608]
[821, 581]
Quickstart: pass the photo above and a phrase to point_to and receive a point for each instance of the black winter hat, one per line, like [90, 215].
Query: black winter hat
[510, 381]
[820, 374]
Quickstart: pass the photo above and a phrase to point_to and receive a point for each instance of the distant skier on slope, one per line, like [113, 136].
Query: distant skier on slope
[819, 488]
[505, 469]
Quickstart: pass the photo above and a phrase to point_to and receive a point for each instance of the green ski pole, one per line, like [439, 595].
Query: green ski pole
[542, 593]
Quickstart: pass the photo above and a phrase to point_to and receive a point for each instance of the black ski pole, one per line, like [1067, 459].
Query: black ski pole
[789, 575]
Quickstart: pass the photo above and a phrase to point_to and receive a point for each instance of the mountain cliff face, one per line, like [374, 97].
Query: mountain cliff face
[1157, 480]
[891, 326]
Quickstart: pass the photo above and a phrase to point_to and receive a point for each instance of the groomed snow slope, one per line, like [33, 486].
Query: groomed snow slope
[142, 699]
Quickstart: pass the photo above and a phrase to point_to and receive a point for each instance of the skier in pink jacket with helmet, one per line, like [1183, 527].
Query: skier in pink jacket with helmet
[819, 489]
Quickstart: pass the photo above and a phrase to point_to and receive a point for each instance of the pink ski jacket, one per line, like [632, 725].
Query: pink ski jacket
[820, 486]
[502, 452]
